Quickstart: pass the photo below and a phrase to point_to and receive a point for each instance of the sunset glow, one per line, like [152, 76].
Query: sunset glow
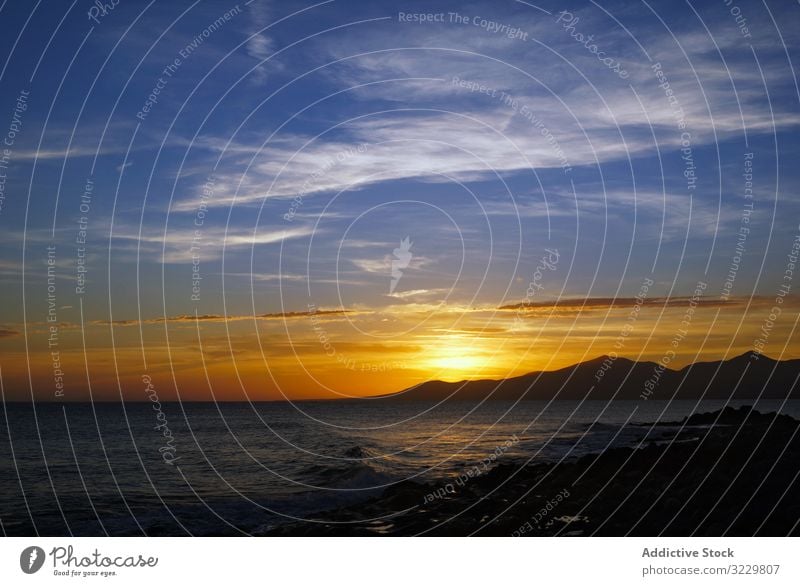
[400, 214]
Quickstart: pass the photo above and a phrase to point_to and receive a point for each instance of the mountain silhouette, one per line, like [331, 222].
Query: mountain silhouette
[746, 377]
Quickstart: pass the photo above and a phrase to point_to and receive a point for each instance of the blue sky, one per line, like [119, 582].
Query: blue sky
[484, 150]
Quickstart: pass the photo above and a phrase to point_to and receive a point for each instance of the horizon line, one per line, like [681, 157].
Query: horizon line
[748, 353]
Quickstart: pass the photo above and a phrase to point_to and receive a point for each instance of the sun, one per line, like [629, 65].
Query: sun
[456, 358]
[462, 364]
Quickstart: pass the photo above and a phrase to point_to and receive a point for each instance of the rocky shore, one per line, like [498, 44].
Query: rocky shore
[732, 472]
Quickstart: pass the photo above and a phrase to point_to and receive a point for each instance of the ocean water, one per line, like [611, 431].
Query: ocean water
[83, 469]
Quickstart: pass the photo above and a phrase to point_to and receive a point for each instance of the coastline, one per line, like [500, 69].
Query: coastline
[732, 472]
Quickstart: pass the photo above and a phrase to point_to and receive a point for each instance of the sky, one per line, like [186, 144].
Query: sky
[290, 200]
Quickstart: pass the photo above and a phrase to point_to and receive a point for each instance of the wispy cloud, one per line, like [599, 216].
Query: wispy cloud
[217, 318]
[564, 110]
[260, 45]
[8, 333]
[180, 245]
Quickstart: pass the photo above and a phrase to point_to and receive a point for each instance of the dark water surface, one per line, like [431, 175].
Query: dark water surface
[87, 469]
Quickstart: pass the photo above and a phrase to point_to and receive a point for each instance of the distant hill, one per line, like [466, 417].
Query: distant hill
[745, 377]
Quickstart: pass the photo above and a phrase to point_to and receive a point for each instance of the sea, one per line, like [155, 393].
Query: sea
[83, 469]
